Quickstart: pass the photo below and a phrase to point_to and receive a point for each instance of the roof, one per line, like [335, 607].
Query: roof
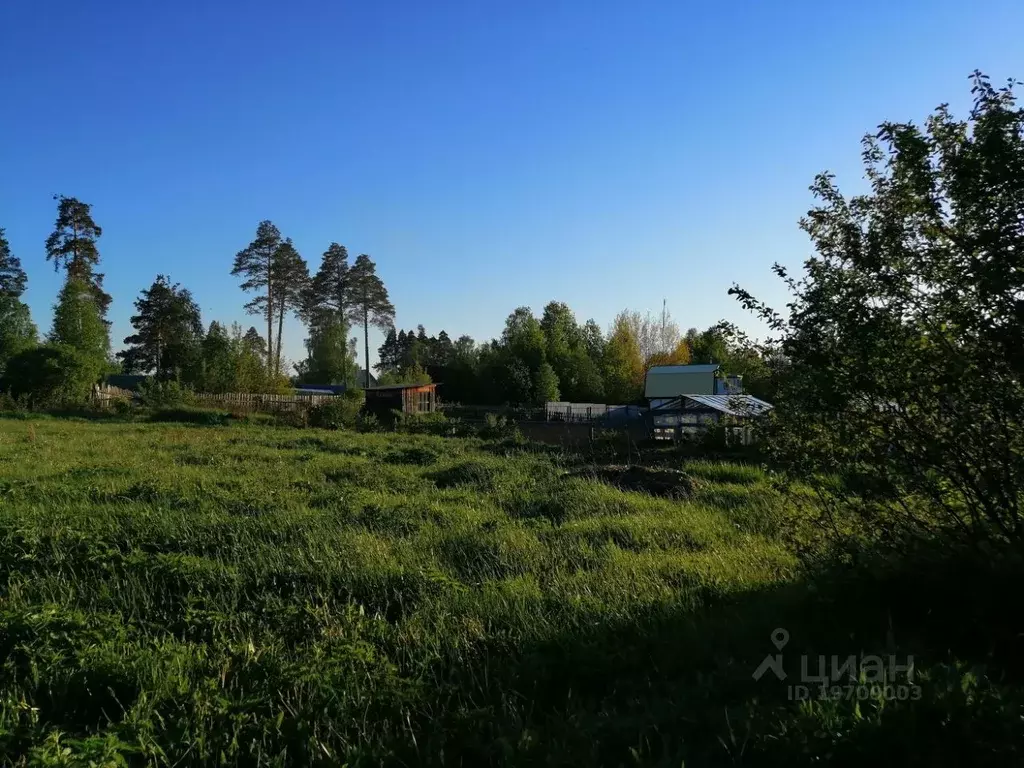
[734, 405]
[325, 389]
[708, 368]
[395, 387]
[124, 380]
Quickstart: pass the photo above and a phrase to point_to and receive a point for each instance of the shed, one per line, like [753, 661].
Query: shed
[408, 398]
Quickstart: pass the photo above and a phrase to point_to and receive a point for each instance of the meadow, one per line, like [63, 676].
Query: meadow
[181, 594]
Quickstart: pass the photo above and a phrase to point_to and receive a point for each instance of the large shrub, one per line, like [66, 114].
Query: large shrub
[339, 411]
[164, 394]
[17, 331]
[905, 366]
[52, 376]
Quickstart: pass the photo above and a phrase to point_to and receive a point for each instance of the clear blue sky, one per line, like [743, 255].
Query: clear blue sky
[486, 154]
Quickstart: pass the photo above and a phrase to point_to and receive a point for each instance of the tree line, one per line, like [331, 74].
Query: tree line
[536, 359]
[170, 341]
[555, 357]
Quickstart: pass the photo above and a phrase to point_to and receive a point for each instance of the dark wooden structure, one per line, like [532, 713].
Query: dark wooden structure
[408, 398]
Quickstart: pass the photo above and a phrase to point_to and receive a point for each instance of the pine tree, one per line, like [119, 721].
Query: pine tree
[331, 286]
[255, 263]
[12, 276]
[370, 300]
[389, 353]
[72, 245]
[328, 306]
[290, 287]
[17, 331]
[168, 333]
[254, 343]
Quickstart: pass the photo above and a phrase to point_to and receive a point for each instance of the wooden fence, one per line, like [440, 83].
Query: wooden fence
[104, 394]
[245, 402]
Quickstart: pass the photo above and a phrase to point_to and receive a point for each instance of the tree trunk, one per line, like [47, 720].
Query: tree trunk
[366, 343]
[280, 324]
[270, 317]
[345, 324]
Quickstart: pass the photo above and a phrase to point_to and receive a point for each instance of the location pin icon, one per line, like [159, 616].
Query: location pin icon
[779, 638]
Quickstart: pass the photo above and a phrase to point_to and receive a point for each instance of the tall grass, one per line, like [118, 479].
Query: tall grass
[185, 594]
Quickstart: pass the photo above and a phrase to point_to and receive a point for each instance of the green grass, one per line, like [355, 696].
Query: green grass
[245, 595]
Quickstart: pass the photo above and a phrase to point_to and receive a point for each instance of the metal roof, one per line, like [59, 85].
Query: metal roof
[396, 387]
[708, 368]
[734, 405]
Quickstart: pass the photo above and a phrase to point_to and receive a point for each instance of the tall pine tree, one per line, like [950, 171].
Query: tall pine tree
[290, 286]
[370, 301]
[72, 245]
[255, 264]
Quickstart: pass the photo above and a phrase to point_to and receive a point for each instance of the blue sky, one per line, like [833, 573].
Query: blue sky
[487, 155]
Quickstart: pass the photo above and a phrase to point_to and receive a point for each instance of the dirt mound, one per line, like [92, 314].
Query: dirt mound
[657, 481]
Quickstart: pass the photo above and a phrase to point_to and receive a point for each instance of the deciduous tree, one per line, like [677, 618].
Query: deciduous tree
[78, 322]
[623, 362]
[330, 353]
[902, 338]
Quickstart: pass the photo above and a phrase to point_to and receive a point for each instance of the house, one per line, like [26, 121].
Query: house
[407, 398]
[667, 381]
[361, 379]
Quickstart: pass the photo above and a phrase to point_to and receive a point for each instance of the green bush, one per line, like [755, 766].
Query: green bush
[209, 417]
[51, 376]
[164, 394]
[338, 412]
[499, 427]
[427, 424]
[8, 404]
[121, 405]
[297, 418]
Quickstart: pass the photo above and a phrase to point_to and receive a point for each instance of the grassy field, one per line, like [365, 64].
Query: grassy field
[255, 595]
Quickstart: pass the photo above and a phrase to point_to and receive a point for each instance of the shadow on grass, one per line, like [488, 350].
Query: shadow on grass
[677, 687]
